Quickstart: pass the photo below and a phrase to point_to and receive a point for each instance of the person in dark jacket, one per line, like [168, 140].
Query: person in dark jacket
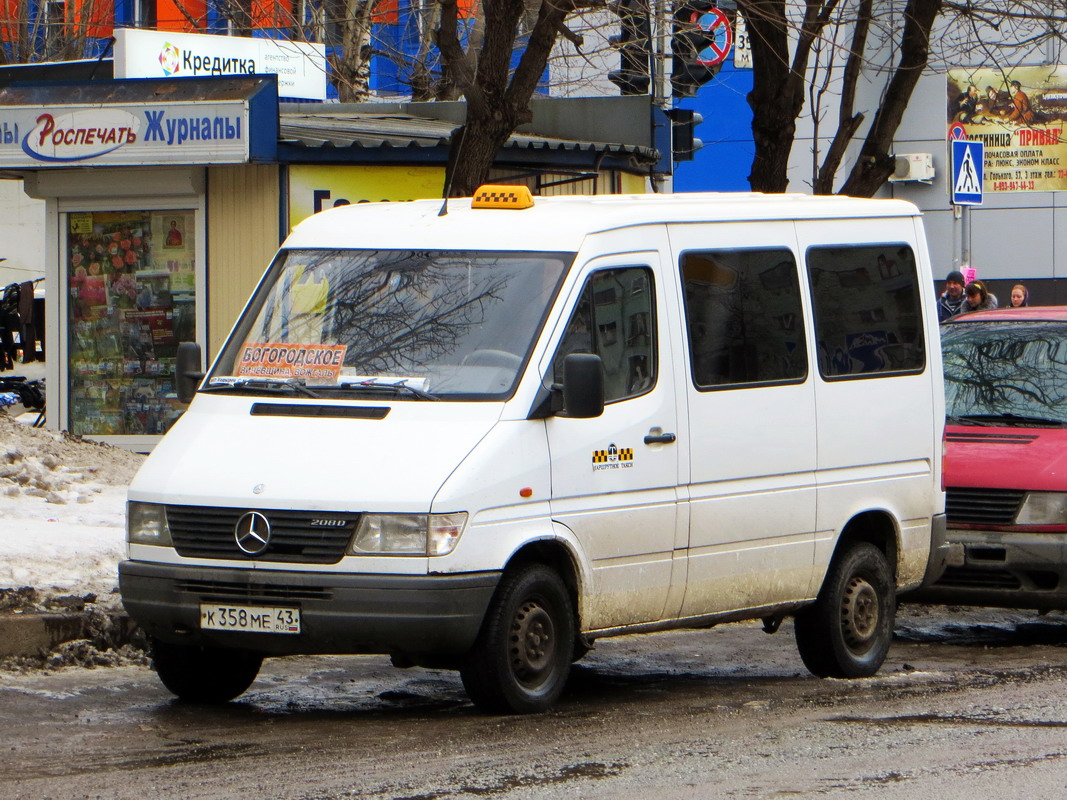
[950, 302]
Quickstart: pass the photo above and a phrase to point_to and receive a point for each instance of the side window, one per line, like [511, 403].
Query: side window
[615, 319]
[866, 307]
[743, 317]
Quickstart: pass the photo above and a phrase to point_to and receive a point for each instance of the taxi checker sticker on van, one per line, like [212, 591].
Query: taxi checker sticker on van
[613, 458]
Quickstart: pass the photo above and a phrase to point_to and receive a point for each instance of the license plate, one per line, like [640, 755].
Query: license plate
[252, 619]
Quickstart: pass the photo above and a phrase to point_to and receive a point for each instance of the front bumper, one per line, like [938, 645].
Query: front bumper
[409, 616]
[1004, 569]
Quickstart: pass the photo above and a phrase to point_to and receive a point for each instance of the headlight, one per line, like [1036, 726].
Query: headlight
[146, 523]
[407, 534]
[1043, 508]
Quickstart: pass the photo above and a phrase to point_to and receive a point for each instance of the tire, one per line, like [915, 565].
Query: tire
[520, 661]
[847, 631]
[204, 674]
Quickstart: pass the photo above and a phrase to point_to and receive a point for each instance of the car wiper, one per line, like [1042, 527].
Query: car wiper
[1016, 419]
[267, 385]
[396, 387]
[967, 419]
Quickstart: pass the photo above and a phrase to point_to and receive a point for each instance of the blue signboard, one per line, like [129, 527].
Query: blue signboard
[968, 164]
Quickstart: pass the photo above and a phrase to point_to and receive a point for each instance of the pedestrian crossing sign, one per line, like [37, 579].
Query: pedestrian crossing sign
[968, 164]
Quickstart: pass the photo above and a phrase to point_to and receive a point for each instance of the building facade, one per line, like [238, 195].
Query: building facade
[164, 200]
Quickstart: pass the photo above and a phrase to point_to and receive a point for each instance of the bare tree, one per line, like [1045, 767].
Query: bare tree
[351, 66]
[820, 56]
[781, 82]
[47, 32]
[498, 97]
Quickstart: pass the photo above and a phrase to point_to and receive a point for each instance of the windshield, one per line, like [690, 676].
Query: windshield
[1006, 369]
[416, 324]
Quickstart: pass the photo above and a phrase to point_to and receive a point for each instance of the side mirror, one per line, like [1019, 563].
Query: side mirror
[583, 385]
[188, 371]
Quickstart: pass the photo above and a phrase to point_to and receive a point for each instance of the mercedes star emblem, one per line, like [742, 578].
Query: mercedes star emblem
[252, 533]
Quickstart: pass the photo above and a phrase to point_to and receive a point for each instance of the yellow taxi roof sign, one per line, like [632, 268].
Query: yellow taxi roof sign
[500, 196]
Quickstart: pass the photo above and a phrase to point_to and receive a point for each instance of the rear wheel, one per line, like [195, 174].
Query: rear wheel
[520, 661]
[847, 631]
[204, 674]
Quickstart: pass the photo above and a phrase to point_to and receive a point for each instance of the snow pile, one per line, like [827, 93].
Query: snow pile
[58, 466]
[62, 507]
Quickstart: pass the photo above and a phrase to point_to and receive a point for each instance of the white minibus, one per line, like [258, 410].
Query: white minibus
[482, 436]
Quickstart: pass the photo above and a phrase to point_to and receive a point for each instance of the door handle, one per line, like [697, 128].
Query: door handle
[660, 438]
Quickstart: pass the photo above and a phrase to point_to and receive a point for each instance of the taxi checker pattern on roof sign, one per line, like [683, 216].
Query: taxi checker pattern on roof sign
[613, 458]
[501, 196]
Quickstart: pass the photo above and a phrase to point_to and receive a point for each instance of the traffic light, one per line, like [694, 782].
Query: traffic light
[683, 143]
[701, 38]
[634, 43]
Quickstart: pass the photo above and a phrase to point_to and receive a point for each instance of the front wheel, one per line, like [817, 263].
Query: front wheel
[847, 631]
[520, 661]
[204, 674]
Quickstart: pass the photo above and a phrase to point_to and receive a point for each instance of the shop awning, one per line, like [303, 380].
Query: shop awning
[326, 135]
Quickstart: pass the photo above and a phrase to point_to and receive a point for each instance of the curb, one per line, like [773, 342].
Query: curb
[33, 634]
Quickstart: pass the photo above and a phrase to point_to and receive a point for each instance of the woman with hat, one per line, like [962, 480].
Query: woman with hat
[977, 298]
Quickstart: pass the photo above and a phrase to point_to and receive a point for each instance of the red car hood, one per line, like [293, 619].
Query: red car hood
[1006, 458]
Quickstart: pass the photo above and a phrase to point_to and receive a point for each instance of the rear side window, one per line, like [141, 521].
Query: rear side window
[743, 317]
[866, 305]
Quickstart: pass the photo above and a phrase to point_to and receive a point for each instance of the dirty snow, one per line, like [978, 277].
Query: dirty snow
[62, 506]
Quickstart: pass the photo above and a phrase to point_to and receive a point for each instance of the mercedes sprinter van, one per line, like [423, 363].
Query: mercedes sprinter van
[482, 437]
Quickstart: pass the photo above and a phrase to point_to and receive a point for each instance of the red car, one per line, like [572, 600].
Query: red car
[1005, 468]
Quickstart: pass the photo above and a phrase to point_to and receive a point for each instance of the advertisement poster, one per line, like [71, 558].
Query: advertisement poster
[1019, 114]
[316, 188]
[132, 299]
[300, 66]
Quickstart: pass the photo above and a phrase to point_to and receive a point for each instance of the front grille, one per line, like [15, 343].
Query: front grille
[205, 532]
[967, 506]
[252, 592]
[970, 578]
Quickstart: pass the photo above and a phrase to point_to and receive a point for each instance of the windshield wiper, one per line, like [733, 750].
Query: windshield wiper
[395, 386]
[268, 385]
[967, 419]
[1014, 419]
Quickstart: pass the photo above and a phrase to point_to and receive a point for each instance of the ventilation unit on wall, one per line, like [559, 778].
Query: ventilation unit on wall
[913, 167]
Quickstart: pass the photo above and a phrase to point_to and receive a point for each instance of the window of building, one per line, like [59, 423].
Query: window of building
[744, 318]
[615, 319]
[866, 305]
[132, 292]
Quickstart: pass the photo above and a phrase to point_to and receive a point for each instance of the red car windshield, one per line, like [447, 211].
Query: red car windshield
[1007, 372]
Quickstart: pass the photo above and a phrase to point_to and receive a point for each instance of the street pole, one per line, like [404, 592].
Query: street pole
[660, 79]
[965, 238]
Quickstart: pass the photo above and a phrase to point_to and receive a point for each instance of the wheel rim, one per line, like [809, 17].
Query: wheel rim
[532, 644]
[859, 614]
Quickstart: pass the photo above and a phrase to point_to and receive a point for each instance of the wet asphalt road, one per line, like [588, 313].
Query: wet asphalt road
[969, 704]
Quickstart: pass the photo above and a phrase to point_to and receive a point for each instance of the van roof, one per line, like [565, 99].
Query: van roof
[561, 223]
